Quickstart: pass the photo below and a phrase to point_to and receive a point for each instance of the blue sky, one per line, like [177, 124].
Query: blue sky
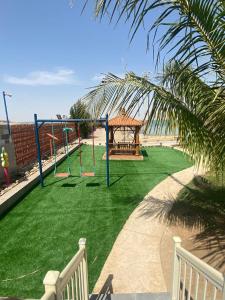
[50, 54]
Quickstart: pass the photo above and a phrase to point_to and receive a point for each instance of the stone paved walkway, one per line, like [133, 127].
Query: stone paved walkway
[134, 264]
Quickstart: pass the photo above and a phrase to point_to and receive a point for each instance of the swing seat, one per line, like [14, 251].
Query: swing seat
[88, 174]
[62, 175]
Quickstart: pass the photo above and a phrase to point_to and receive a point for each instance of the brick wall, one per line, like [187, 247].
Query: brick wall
[23, 136]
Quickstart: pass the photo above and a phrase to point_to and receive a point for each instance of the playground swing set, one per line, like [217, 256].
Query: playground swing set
[53, 146]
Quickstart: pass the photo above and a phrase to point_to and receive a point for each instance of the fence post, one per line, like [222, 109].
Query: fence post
[82, 245]
[51, 282]
[176, 269]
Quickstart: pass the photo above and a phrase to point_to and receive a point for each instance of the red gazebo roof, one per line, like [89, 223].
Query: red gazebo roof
[122, 120]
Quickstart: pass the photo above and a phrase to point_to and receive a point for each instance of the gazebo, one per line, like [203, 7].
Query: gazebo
[124, 142]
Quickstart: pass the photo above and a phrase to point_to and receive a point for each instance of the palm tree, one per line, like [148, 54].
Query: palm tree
[79, 111]
[190, 95]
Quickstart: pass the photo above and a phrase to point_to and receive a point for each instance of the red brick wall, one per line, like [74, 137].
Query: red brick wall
[23, 136]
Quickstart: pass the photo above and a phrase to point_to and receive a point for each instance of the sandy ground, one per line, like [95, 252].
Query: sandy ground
[145, 140]
[134, 264]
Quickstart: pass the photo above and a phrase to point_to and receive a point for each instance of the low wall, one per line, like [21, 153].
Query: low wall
[23, 137]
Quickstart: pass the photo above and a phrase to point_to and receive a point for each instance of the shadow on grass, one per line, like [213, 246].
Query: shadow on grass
[92, 184]
[59, 180]
[115, 181]
[139, 173]
[68, 185]
[201, 206]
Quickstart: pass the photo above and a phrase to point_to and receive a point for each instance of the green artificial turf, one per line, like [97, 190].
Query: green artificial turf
[41, 233]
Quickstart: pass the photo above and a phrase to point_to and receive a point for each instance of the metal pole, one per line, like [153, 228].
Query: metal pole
[107, 149]
[70, 120]
[67, 151]
[6, 113]
[38, 150]
[80, 151]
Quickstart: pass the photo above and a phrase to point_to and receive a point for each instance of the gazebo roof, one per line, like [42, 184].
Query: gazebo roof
[124, 120]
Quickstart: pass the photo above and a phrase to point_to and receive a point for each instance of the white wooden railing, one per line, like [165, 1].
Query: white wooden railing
[193, 279]
[72, 282]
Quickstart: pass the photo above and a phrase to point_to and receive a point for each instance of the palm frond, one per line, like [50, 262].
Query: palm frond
[191, 93]
[168, 105]
[196, 32]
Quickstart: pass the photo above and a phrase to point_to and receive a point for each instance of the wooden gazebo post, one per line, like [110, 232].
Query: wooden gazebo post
[137, 140]
[111, 138]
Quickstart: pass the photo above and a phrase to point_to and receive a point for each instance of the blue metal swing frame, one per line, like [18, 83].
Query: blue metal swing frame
[38, 123]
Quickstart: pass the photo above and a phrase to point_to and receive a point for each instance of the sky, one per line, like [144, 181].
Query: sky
[50, 54]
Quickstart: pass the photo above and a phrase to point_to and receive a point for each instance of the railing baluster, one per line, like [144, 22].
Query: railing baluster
[184, 281]
[190, 284]
[214, 293]
[179, 279]
[205, 289]
[76, 285]
[68, 291]
[63, 295]
[80, 284]
[81, 280]
[72, 287]
[223, 289]
[196, 286]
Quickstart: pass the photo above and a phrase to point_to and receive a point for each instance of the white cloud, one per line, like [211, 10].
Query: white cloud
[37, 78]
